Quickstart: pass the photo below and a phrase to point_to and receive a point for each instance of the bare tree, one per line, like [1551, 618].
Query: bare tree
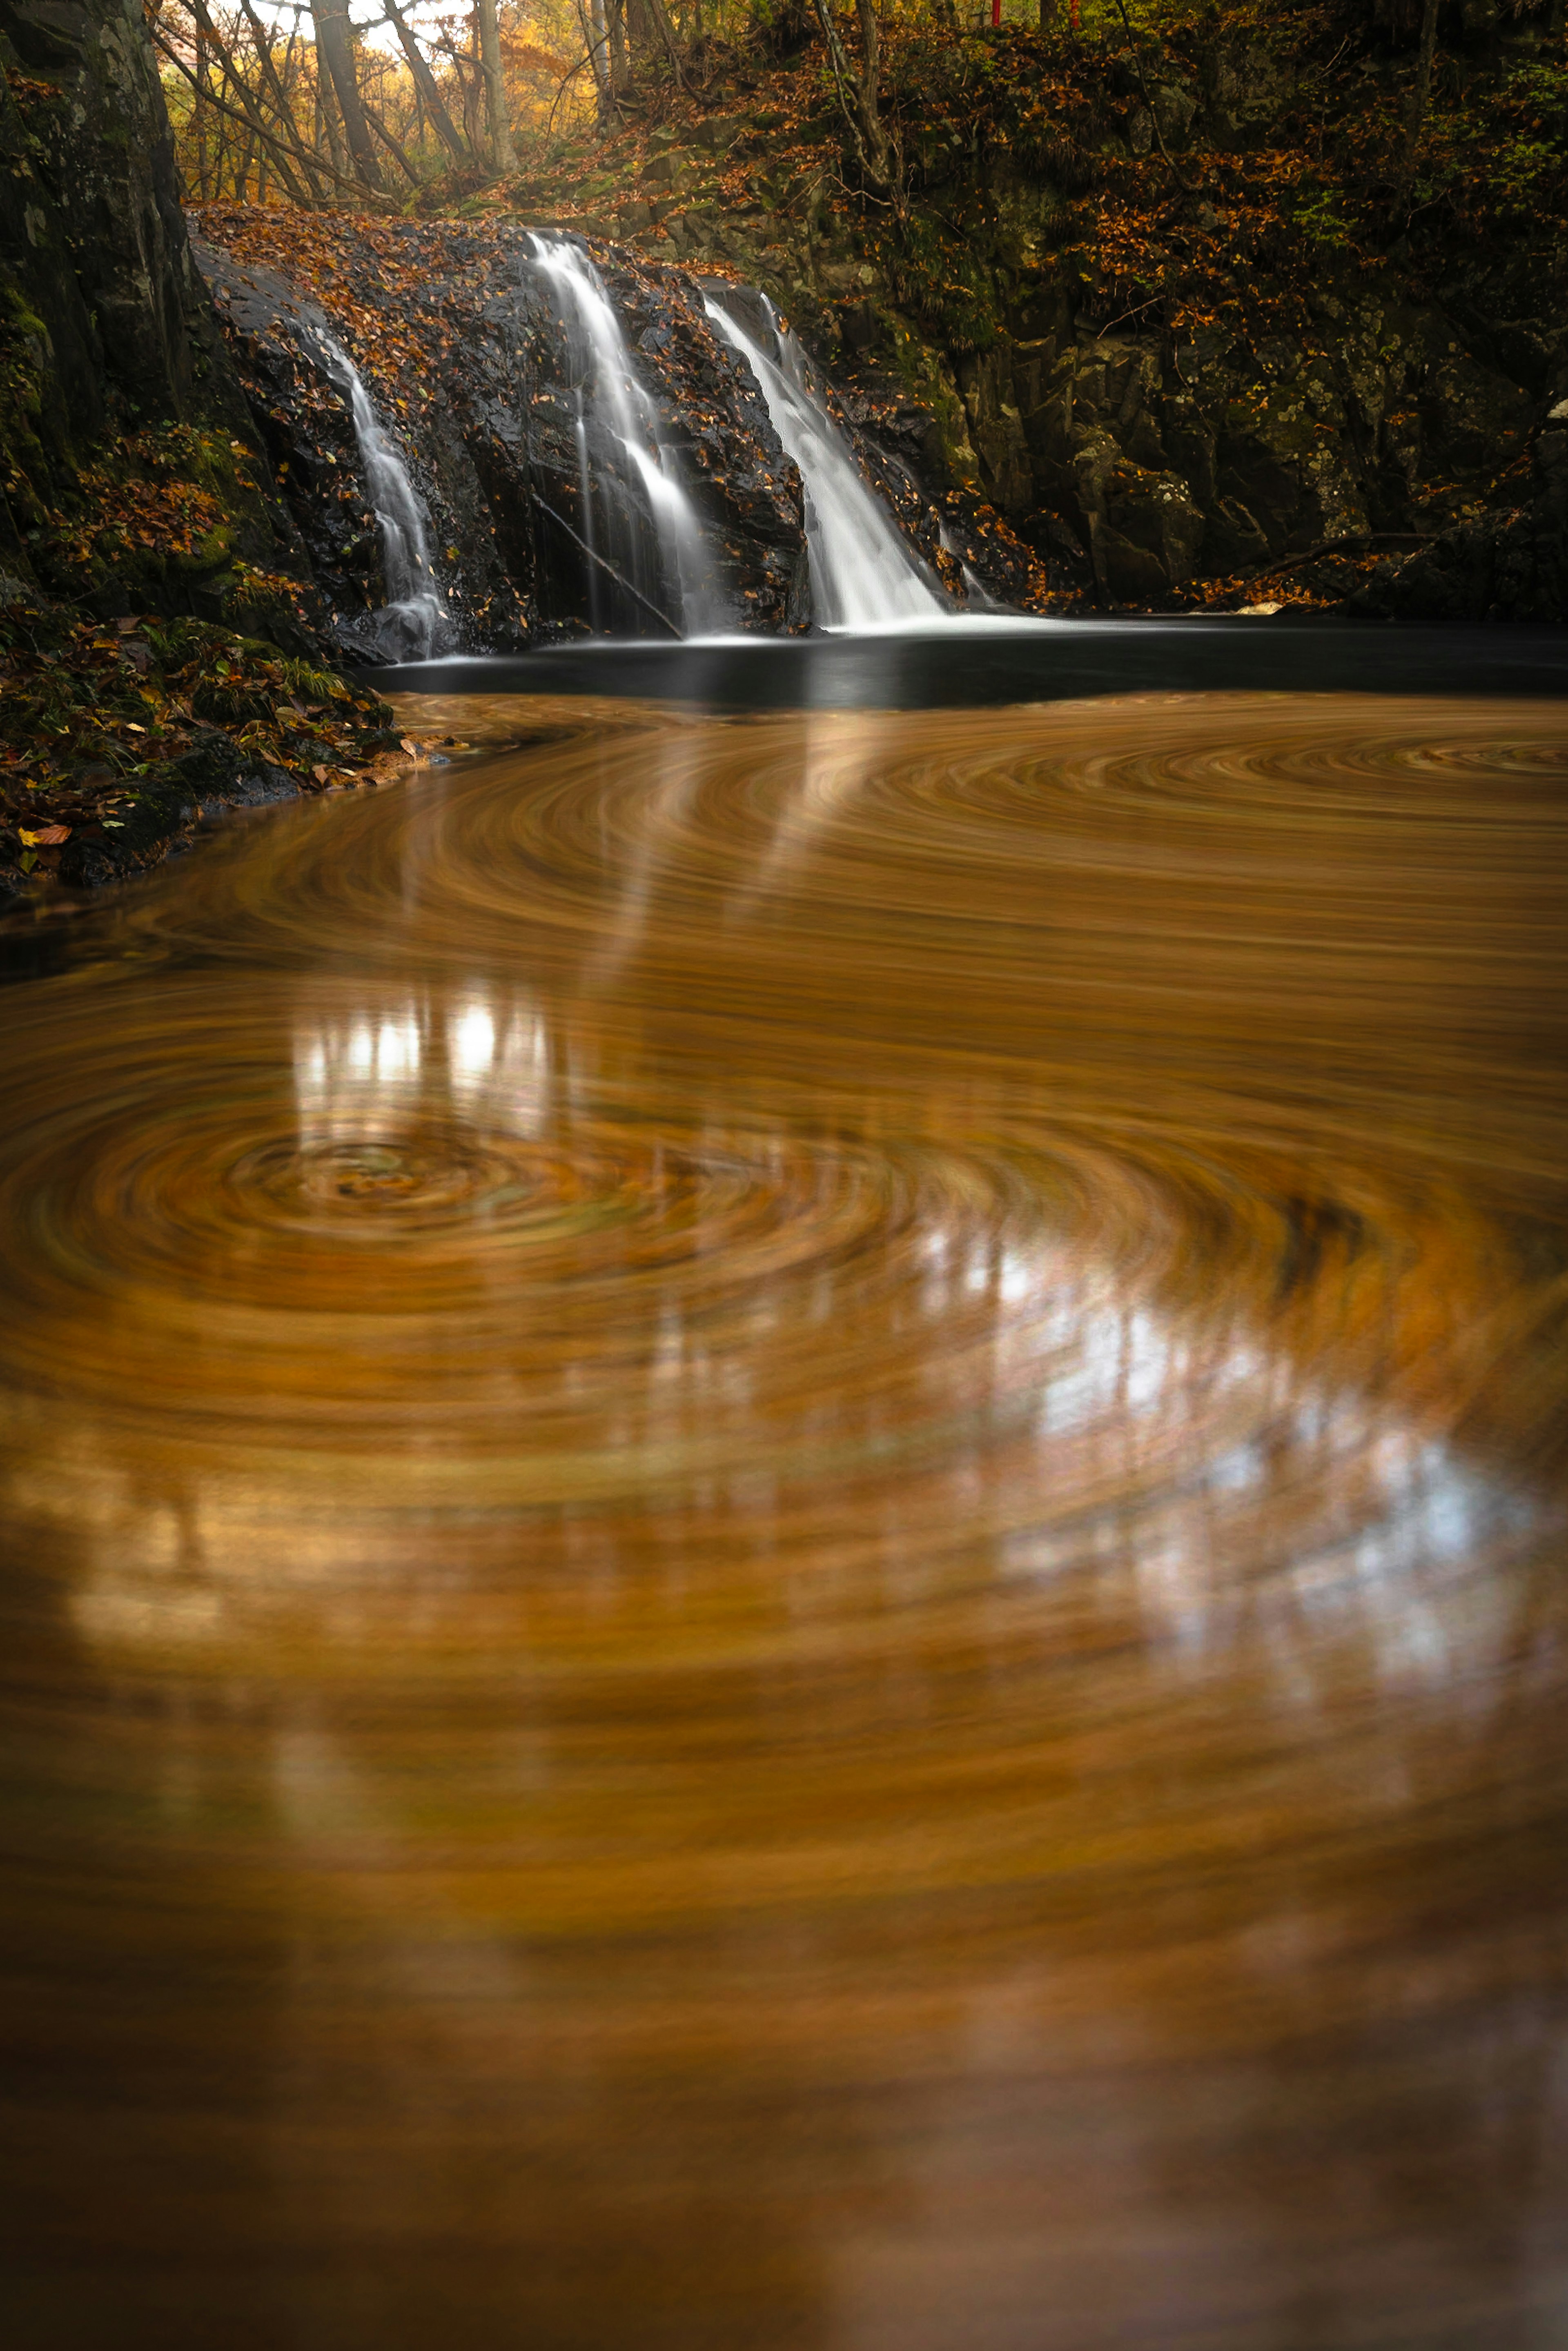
[273, 83]
[425, 84]
[498, 119]
[859, 91]
[242, 106]
[335, 43]
[224, 111]
[1424, 60]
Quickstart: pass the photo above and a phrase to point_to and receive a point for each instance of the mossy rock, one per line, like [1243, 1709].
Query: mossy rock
[159, 813]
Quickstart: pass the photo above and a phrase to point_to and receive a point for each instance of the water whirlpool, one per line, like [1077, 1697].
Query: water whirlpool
[785, 1544]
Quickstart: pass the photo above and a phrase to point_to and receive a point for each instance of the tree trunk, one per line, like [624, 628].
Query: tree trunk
[247, 104]
[390, 142]
[474, 88]
[619, 68]
[1423, 61]
[334, 42]
[272, 81]
[667, 35]
[473, 94]
[858, 93]
[871, 91]
[426, 85]
[201, 119]
[871, 54]
[497, 118]
[639, 32]
[596, 29]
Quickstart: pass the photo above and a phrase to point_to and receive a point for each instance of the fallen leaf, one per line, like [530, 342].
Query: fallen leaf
[48, 836]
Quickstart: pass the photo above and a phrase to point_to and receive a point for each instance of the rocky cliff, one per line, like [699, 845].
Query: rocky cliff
[1200, 312]
[160, 633]
[129, 475]
[464, 353]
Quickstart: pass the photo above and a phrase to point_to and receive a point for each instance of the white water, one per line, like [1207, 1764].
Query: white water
[414, 623]
[620, 412]
[864, 573]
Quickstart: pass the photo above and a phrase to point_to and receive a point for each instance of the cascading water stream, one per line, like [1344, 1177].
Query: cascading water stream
[865, 574]
[617, 410]
[416, 622]
[585, 492]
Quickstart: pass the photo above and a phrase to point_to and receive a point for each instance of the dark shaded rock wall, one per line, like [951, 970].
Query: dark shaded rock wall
[1508, 565]
[105, 326]
[1138, 466]
[1162, 465]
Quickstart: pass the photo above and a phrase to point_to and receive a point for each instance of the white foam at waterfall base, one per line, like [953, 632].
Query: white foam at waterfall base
[621, 414]
[414, 623]
[864, 573]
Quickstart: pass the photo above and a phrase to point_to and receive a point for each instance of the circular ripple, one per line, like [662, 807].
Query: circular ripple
[784, 1436]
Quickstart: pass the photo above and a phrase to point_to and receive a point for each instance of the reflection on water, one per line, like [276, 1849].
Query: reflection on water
[786, 1556]
[489, 1061]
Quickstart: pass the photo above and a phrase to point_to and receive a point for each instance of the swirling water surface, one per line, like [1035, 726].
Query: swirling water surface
[785, 1547]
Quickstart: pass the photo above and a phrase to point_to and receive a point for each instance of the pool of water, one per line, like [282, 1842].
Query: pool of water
[968, 663]
[785, 1530]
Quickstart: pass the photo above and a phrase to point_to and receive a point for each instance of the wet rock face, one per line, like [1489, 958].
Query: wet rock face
[1140, 469]
[716, 423]
[109, 275]
[450, 399]
[1081, 463]
[459, 336]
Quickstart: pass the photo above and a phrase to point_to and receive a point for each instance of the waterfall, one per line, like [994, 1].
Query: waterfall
[416, 622]
[617, 413]
[863, 572]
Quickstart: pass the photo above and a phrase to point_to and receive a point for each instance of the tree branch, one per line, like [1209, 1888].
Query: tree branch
[1155, 121]
[636, 594]
[274, 144]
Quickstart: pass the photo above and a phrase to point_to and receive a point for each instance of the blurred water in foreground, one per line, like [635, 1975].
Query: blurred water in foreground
[785, 1545]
